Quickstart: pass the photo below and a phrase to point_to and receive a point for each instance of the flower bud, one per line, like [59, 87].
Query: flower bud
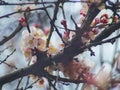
[104, 20]
[97, 20]
[22, 21]
[63, 22]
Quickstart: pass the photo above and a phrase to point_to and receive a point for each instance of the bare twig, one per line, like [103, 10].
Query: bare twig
[18, 29]
[26, 20]
[12, 66]
[74, 21]
[27, 83]
[52, 21]
[112, 40]
[19, 83]
[41, 8]
[30, 86]
[7, 57]
[1, 51]
[51, 84]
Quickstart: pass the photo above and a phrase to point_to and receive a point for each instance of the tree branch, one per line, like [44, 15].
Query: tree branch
[107, 32]
[68, 53]
[15, 75]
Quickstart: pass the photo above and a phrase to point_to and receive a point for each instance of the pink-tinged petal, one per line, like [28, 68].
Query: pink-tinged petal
[46, 31]
[97, 21]
[90, 78]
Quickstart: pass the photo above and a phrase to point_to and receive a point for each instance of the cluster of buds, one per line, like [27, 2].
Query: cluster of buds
[66, 35]
[102, 20]
[22, 20]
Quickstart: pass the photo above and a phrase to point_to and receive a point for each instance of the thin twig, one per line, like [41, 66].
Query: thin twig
[41, 8]
[7, 57]
[26, 20]
[19, 83]
[63, 11]
[64, 28]
[28, 78]
[112, 40]
[12, 66]
[53, 25]
[52, 21]
[27, 83]
[1, 51]
[51, 84]
[7, 38]
[30, 86]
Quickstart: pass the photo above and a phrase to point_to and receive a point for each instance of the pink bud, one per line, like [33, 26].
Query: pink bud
[28, 8]
[90, 78]
[104, 20]
[86, 35]
[22, 21]
[95, 31]
[63, 22]
[82, 13]
[37, 25]
[47, 31]
[67, 34]
[97, 20]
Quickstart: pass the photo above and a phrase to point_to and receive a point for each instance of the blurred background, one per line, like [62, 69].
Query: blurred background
[104, 54]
